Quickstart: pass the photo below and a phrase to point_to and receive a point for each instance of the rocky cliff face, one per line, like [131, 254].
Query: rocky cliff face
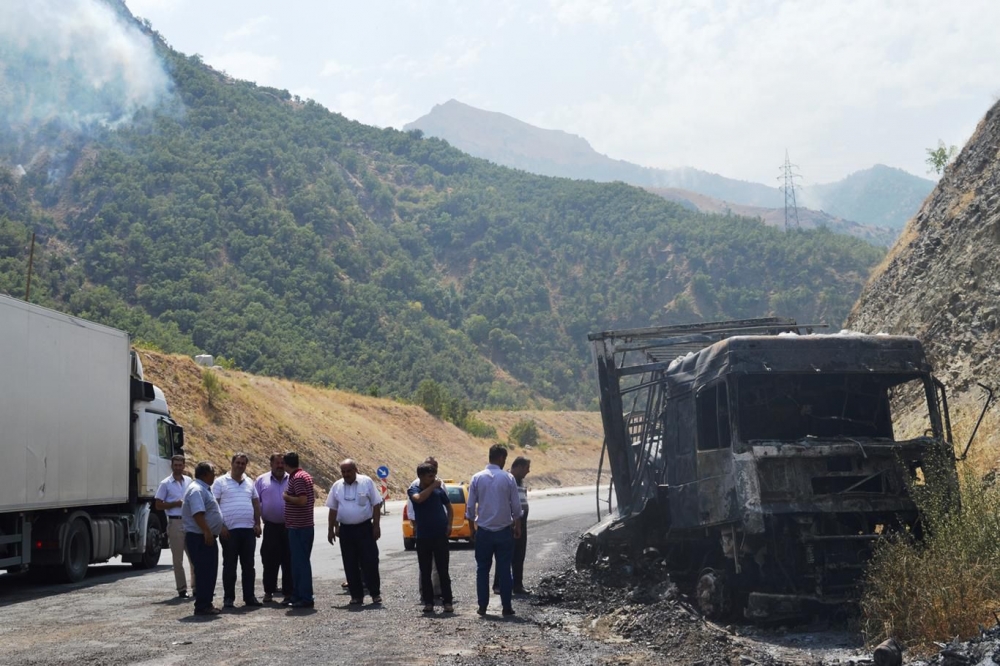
[941, 281]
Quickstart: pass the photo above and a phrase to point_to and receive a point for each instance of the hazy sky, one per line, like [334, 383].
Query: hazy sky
[722, 86]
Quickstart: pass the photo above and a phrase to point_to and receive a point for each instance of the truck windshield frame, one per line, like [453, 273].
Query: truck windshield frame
[802, 407]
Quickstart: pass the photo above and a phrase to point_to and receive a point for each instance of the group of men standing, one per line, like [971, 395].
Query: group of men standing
[497, 507]
[278, 506]
[205, 510]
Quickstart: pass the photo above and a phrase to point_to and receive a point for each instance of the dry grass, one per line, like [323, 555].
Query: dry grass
[948, 584]
[260, 415]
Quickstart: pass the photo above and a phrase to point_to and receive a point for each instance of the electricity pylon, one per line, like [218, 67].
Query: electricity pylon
[788, 176]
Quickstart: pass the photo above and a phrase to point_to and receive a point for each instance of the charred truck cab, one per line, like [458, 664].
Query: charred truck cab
[763, 461]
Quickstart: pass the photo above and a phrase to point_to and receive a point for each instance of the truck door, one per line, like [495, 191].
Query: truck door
[679, 438]
[157, 439]
[716, 485]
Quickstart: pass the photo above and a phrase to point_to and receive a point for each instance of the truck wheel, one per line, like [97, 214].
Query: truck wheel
[154, 545]
[77, 554]
[713, 594]
[409, 544]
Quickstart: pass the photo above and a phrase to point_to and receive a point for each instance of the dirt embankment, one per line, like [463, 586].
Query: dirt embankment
[260, 415]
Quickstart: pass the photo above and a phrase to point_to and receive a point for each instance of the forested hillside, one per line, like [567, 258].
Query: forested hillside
[244, 222]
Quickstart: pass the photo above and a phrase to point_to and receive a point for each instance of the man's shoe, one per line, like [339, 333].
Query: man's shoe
[508, 611]
[521, 590]
[301, 604]
[286, 601]
[428, 608]
[481, 610]
[377, 599]
[268, 597]
[228, 603]
[211, 610]
[448, 608]
[496, 590]
[182, 594]
[253, 602]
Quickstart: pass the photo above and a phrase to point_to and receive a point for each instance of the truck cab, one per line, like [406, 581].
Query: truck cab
[765, 460]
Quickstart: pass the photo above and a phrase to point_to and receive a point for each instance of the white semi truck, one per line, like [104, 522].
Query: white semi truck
[85, 441]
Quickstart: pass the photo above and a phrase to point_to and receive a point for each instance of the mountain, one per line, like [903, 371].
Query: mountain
[941, 281]
[510, 142]
[881, 196]
[775, 217]
[245, 222]
[876, 197]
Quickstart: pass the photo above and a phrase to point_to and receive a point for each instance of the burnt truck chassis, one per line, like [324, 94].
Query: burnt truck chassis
[759, 459]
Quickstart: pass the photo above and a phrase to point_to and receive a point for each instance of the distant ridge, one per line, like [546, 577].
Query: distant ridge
[880, 196]
[511, 142]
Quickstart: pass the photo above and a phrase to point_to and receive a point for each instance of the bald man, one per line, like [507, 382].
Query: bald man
[354, 504]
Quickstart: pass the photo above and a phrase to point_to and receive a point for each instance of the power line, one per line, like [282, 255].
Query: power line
[788, 176]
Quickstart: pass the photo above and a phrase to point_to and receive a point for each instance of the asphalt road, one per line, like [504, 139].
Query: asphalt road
[120, 616]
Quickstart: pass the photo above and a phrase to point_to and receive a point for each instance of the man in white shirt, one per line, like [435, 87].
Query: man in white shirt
[354, 503]
[169, 499]
[240, 506]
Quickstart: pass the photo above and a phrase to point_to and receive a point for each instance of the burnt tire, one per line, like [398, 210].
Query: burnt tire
[409, 544]
[713, 594]
[154, 545]
[76, 553]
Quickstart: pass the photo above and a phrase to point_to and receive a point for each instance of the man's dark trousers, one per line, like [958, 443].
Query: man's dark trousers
[520, 550]
[205, 560]
[274, 553]
[241, 545]
[431, 553]
[499, 544]
[300, 543]
[517, 561]
[360, 553]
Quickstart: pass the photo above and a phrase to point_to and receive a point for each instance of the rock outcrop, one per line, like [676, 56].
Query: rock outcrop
[941, 281]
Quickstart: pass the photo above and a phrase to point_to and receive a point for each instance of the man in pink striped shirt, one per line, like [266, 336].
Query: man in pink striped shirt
[300, 501]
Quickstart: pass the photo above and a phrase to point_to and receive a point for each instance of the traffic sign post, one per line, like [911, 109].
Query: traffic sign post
[383, 486]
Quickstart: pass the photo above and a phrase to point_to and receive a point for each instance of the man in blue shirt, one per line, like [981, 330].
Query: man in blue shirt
[494, 505]
[203, 523]
[433, 514]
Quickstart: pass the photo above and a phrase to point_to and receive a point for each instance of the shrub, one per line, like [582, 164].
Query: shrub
[431, 396]
[946, 584]
[478, 428]
[523, 434]
[213, 387]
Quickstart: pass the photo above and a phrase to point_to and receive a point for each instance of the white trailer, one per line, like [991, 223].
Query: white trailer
[85, 441]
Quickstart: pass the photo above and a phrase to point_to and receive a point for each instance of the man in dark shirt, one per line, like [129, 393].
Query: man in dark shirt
[433, 514]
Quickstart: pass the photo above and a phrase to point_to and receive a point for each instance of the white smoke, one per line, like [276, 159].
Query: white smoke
[77, 62]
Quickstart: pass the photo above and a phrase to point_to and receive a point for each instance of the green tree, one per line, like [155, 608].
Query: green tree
[432, 397]
[938, 158]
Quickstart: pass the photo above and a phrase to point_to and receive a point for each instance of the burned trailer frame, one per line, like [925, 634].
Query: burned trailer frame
[763, 460]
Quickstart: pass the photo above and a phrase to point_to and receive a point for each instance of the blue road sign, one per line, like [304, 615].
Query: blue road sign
[383, 472]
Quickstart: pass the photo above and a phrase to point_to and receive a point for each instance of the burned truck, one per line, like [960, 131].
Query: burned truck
[761, 461]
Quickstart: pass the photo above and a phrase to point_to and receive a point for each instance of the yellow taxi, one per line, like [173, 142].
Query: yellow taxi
[460, 527]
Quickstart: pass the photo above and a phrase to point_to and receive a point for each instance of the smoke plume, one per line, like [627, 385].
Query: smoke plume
[75, 64]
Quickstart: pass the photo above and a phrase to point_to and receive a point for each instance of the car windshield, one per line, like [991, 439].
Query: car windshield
[455, 495]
